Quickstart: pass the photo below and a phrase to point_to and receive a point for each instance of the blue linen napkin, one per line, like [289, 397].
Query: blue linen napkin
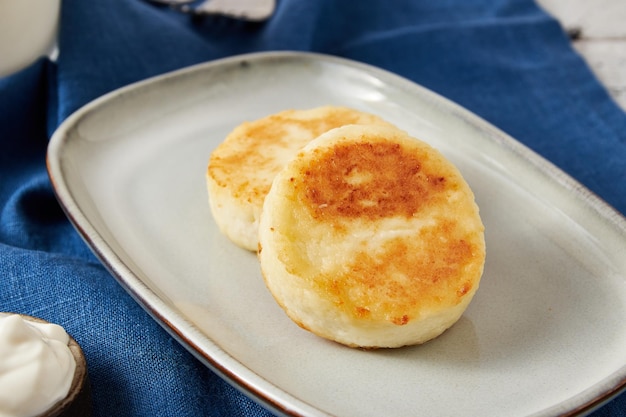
[506, 60]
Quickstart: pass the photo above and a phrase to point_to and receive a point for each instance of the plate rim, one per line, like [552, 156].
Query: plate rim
[248, 384]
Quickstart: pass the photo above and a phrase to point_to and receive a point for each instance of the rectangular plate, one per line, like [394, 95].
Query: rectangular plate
[544, 335]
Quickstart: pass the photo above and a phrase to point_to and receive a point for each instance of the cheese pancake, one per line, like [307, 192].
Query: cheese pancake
[371, 238]
[241, 169]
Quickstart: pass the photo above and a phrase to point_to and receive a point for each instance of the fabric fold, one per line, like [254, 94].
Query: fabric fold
[506, 60]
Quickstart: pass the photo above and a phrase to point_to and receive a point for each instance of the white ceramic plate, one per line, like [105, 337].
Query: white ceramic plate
[544, 335]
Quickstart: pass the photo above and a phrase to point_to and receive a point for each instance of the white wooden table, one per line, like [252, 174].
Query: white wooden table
[599, 29]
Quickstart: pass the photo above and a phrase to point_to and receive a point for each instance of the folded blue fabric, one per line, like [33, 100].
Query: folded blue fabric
[505, 60]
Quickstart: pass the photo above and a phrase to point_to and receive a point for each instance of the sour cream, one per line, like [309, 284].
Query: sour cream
[36, 366]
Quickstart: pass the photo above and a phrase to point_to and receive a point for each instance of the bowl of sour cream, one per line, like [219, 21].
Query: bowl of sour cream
[43, 371]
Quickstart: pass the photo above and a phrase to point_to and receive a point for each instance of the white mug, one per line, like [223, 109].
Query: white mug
[28, 31]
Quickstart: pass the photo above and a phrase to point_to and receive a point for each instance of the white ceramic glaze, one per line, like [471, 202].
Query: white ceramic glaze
[28, 30]
[543, 336]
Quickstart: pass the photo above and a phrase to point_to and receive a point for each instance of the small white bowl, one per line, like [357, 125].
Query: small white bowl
[28, 31]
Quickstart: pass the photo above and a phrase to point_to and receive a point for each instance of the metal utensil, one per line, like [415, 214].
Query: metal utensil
[248, 10]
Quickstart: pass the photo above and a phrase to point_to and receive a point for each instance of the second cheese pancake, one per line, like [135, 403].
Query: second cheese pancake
[372, 239]
[241, 169]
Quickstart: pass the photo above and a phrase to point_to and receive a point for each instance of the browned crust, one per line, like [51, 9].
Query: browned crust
[371, 178]
[250, 146]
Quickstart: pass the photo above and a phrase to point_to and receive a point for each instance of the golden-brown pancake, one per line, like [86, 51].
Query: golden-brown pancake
[371, 238]
[242, 167]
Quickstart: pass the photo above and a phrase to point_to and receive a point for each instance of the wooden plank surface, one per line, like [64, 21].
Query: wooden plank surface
[598, 29]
